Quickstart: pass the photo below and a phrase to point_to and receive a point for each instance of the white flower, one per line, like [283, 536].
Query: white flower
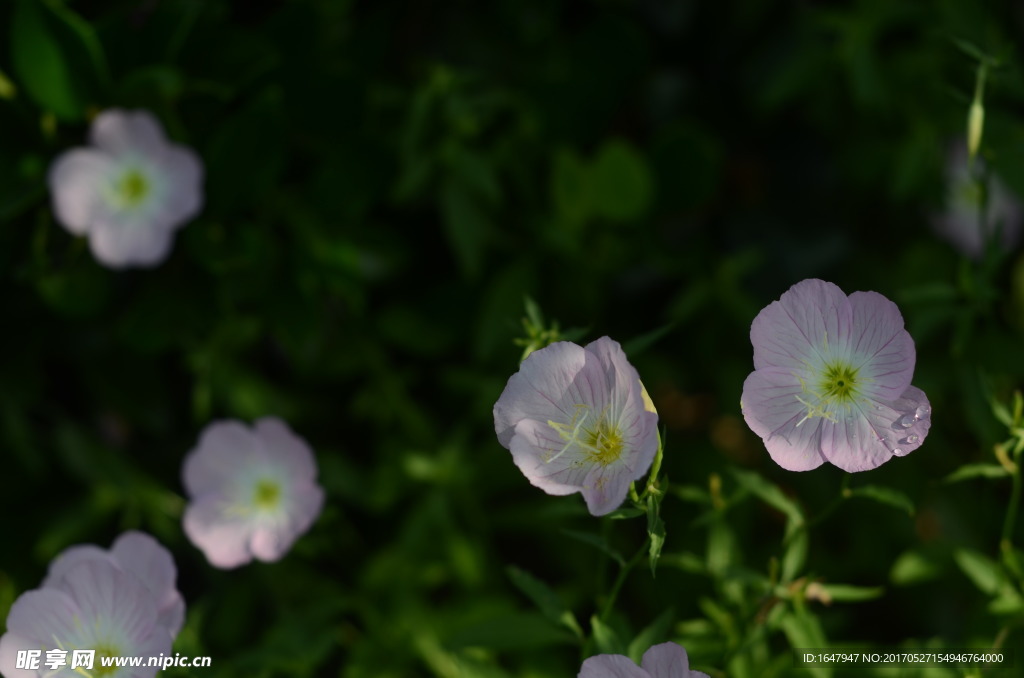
[129, 191]
[253, 491]
[94, 606]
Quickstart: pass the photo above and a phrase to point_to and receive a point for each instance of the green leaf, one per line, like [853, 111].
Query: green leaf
[721, 545]
[795, 556]
[509, 632]
[969, 471]
[465, 224]
[626, 513]
[651, 635]
[638, 345]
[883, 495]
[803, 631]
[913, 567]
[686, 561]
[769, 493]
[544, 598]
[569, 187]
[980, 569]
[850, 594]
[620, 183]
[56, 57]
[598, 542]
[655, 530]
[607, 641]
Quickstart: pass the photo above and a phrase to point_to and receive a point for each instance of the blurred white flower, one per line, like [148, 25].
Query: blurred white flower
[960, 223]
[129, 191]
[253, 491]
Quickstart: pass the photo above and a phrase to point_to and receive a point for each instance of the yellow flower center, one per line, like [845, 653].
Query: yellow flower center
[132, 188]
[98, 669]
[601, 441]
[837, 388]
[267, 494]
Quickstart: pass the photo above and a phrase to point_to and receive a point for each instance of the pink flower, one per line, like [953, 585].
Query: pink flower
[831, 380]
[667, 660]
[142, 556]
[93, 605]
[577, 419]
[129, 192]
[253, 491]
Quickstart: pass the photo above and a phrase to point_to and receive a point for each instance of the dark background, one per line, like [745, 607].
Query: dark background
[385, 182]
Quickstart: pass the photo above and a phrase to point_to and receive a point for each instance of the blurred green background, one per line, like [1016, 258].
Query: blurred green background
[385, 184]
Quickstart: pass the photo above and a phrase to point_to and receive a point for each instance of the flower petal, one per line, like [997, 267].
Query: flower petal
[880, 431]
[772, 410]
[69, 558]
[606, 487]
[538, 452]
[117, 601]
[224, 448]
[222, 537]
[41, 615]
[611, 666]
[146, 558]
[790, 333]
[278, 446]
[77, 180]
[540, 390]
[119, 245]
[127, 133]
[10, 644]
[181, 171]
[877, 342]
[667, 660]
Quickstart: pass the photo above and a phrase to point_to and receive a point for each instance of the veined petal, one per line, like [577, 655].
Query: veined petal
[611, 666]
[540, 389]
[772, 409]
[546, 460]
[792, 333]
[879, 431]
[879, 346]
[117, 600]
[44, 614]
[142, 555]
[667, 660]
[606, 487]
[69, 558]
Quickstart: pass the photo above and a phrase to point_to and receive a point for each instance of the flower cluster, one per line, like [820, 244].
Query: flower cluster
[121, 602]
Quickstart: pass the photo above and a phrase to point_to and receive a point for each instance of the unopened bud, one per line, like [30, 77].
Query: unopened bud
[975, 125]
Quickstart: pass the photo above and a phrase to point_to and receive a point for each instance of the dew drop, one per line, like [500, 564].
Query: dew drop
[910, 440]
[906, 421]
[923, 411]
[897, 451]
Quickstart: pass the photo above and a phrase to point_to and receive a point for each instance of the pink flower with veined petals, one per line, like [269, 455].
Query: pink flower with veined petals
[143, 556]
[577, 419]
[831, 380]
[667, 660]
[253, 491]
[94, 605]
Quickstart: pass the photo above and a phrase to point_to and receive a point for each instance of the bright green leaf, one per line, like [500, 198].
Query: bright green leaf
[969, 471]
[884, 495]
[607, 641]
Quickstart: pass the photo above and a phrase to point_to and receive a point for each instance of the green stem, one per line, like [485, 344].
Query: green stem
[623, 573]
[1011, 512]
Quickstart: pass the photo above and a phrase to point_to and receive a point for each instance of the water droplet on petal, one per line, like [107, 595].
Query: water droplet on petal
[906, 421]
[897, 451]
[923, 411]
[910, 440]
